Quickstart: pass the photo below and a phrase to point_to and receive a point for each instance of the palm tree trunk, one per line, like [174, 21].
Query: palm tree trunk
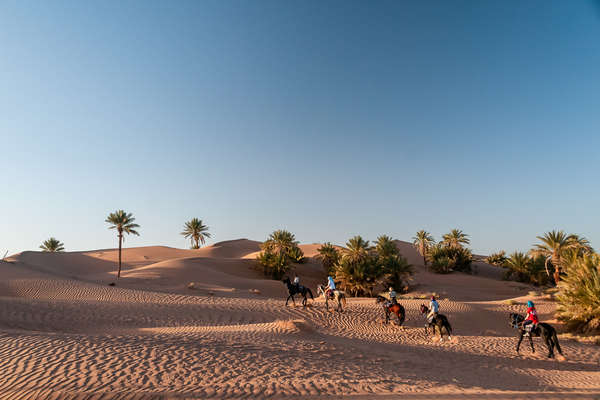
[556, 263]
[120, 240]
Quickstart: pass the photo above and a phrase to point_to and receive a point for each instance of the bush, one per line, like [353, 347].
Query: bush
[523, 268]
[498, 259]
[579, 295]
[446, 259]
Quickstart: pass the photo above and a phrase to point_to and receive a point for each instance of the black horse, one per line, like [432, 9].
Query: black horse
[389, 308]
[546, 331]
[440, 321]
[293, 290]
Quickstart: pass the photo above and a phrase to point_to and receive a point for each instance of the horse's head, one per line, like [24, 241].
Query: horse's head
[515, 320]
[320, 289]
[286, 280]
[380, 299]
[423, 308]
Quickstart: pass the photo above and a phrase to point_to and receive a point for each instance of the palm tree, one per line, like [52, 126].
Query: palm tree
[52, 245]
[456, 238]
[196, 231]
[280, 242]
[357, 250]
[519, 263]
[554, 248]
[329, 256]
[123, 223]
[423, 242]
[385, 247]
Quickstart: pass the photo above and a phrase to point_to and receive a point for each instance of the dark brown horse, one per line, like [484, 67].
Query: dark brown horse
[390, 308]
[440, 321]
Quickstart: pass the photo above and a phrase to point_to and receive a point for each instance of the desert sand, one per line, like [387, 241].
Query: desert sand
[66, 334]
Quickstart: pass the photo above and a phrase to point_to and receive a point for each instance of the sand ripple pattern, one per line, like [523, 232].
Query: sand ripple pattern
[63, 339]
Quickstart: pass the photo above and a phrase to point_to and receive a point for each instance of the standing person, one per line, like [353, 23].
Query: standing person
[434, 307]
[532, 318]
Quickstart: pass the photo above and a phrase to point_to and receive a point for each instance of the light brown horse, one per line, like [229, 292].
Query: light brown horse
[338, 296]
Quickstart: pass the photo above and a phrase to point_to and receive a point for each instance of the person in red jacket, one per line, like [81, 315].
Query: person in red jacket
[532, 317]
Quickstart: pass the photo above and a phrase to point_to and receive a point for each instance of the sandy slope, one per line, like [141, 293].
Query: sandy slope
[66, 334]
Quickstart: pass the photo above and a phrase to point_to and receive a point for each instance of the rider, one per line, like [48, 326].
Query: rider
[297, 282]
[433, 309]
[532, 317]
[392, 296]
[330, 286]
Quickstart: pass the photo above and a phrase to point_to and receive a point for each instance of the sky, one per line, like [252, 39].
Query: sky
[326, 118]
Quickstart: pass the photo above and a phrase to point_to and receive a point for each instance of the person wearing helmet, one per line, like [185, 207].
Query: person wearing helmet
[434, 307]
[330, 287]
[297, 282]
[532, 319]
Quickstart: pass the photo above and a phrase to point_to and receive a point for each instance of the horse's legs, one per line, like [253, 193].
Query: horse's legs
[288, 299]
[531, 342]
[387, 316]
[549, 344]
[304, 300]
[520, 340]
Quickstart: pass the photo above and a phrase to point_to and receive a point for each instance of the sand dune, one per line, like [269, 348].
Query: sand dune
[66, 334]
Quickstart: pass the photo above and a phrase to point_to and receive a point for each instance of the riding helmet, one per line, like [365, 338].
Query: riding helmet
[530, 303]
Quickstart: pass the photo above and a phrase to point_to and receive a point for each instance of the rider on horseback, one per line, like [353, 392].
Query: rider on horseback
[297, 282]
[433, 309]
[532, 318]
[330, 287]
[392, 296]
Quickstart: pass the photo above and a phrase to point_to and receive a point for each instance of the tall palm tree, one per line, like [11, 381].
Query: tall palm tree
[423, 241]
[455, 239]
[123, 223]
[329, 256]
[554, 248]
[357, 250]
[196, 231]
[52, 245]
[385, 247]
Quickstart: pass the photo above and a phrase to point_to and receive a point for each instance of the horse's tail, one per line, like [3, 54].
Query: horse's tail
[447, 325]
[310, 292]
[555, 340]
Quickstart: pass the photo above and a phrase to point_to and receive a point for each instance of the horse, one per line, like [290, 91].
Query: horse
[440, 321]
[338, 296]
[293, 290]
[546, 331]
[389, 308]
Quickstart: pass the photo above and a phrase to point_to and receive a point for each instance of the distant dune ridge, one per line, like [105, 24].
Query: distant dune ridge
[66, 334]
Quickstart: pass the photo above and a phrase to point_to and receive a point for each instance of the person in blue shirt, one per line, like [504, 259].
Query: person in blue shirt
[330, 286]
[434, 307]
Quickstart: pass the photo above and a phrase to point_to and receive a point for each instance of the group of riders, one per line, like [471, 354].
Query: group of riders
[529, 324]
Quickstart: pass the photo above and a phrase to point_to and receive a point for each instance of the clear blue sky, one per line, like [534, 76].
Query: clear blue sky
[329, 119]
